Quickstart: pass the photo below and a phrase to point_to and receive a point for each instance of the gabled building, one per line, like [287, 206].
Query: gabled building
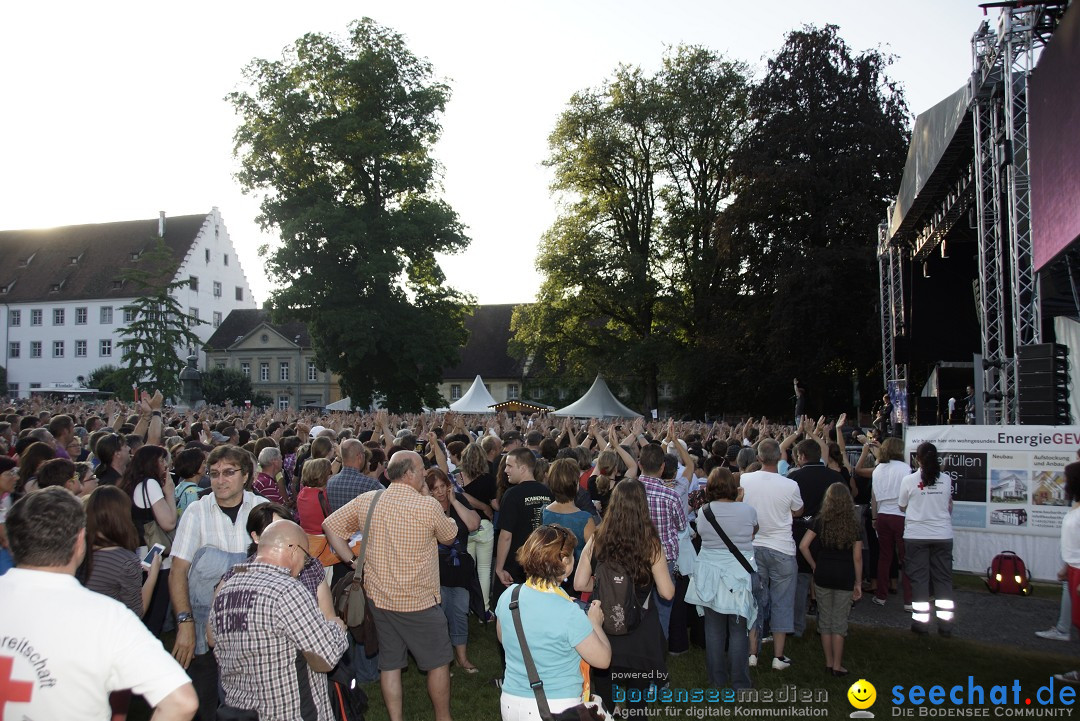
[277, 357]
[63, 293]
[485, 354]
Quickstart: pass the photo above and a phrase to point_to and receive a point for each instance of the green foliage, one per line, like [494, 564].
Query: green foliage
[825, 156]
[111, 379]
[160, 329]
[337, 136]
[642, 165]
[226, 384]
[721, 233]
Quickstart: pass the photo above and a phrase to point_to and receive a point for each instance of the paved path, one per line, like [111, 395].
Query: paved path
[982, 616]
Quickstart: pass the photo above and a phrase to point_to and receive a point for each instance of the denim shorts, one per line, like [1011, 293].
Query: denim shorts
[778, 572]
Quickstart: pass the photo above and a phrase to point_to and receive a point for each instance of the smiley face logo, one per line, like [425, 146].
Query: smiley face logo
[862, 694]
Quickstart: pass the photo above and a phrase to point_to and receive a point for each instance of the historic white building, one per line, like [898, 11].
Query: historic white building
[63, 295]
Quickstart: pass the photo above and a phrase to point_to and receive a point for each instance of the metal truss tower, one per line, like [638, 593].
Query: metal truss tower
[890, 265]
[1003, 60]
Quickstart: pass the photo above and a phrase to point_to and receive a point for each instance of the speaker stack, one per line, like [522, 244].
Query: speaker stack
[1044, 384]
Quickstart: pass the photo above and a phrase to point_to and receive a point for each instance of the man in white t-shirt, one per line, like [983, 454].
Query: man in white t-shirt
[777, 500]
[58, 665]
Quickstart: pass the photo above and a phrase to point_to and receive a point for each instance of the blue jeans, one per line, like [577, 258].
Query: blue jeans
[365, 670]
[455, 604]
[664, 607]
[802, 595]
[727, 649]
[778, 573]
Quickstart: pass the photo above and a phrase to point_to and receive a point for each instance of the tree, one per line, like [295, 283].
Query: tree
[629, 265]
[337, 135]
[226, 384]
[825, 156]
[111, 379]
[159, 326]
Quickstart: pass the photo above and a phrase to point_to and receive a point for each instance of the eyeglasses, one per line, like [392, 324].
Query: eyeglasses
[304, 550]
[561, 534]
[226, 472]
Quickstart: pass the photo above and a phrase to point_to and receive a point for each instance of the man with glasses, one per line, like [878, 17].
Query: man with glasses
[262, 620]
[401, 570]
[211, 537]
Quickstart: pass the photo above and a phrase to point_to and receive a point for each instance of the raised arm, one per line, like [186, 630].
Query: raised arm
[631, 464]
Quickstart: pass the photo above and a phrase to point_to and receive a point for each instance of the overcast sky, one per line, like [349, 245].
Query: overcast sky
[114, 110]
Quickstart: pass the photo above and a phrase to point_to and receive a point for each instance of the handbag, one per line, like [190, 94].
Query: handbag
[350, 599]
[152, 532]
[711, 517]
[580, 712]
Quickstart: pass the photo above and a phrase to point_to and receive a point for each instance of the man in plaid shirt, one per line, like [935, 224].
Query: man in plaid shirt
[667, 514]
[401, 577]
[272, 643]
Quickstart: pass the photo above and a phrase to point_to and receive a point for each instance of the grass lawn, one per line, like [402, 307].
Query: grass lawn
[884, 657]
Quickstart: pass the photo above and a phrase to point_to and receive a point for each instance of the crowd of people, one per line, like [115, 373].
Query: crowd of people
[588, 547]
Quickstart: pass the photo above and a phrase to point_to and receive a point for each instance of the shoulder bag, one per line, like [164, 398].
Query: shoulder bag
[581, 712]
[350, 599]
[711, 517]
[152, 532]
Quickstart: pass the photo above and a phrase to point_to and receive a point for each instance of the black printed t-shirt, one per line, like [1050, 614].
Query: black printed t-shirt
[521, 511]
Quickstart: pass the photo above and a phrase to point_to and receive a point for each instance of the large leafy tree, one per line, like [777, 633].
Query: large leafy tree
[337, 135]
[159, 329]
[641, 164]
[220, 385]
[825, 155]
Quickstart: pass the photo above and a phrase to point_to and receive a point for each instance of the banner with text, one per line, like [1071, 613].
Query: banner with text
[1005, 478]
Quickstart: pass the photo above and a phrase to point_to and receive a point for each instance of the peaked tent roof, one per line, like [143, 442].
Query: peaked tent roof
[598, 402]
[345, 404]
[476, 399]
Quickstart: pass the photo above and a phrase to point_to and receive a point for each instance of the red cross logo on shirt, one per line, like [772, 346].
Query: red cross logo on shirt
[12, 691]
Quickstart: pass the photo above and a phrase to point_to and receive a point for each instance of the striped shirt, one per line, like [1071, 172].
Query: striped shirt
[117, 573]
[667, 514]
[205, 524]
[263, 622]
[401, 567]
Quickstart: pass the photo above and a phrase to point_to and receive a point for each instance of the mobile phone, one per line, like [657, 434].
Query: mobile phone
[154, 551]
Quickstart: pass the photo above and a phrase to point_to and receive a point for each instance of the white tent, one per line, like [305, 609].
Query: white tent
[598, 402]
[476, 399]
[345, 404]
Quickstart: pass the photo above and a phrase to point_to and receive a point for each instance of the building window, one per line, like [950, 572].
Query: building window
[512, 391]
[264, 372]
[283, 371]
[35, 349]
[245, 368]
[221, 365]
[193, 317]
[283, 403]
[562, 394]
[58, 316]
[15, 317]
[35, 385]
[193, 283]
[80, 316]
[312, 372]
[226, 256]
[207, 255]
[105, 348]
[106, 315]
[239, 293]
[217, 289]
[58, 349]
[13, 349]
[217, 319]
[35, 316]
[455, 391]
[129, 315]
[538, 394]
[13, 389]
[80, 349]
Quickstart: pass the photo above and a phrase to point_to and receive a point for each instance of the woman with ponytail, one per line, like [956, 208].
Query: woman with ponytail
[926, 499]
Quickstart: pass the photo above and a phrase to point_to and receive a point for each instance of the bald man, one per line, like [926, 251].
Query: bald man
[261, 618]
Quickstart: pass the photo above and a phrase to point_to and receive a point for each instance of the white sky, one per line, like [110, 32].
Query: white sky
[114, 110]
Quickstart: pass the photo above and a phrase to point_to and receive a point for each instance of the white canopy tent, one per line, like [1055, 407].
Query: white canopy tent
[476, 399]
[598, 402]
[345, 404]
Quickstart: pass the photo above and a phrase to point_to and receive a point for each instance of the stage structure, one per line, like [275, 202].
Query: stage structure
[969, 161]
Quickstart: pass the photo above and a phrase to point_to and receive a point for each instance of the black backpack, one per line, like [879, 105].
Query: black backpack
[614, 588]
